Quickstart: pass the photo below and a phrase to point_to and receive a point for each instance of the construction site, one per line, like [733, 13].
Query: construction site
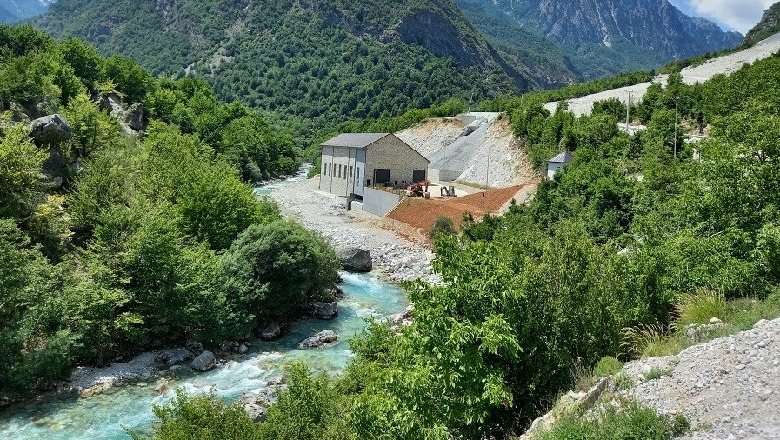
[469, 164]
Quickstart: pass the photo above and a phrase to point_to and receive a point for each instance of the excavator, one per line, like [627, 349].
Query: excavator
[418, 189]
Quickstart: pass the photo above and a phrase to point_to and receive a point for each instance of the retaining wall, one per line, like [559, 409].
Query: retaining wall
[379, 202]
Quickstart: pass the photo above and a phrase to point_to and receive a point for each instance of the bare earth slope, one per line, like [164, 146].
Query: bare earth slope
[691, 75]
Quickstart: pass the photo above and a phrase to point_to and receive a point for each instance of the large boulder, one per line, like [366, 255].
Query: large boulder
[271, 332]
[50, 130]
[206, 361]
[134, 117]
[322, 310]
[356, 260]
[320, 339]
[173, 357]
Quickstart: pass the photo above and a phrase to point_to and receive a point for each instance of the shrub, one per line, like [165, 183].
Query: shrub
[631, 422]
[442, 225]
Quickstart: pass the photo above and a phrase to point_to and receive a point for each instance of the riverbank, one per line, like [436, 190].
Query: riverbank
[399, 257]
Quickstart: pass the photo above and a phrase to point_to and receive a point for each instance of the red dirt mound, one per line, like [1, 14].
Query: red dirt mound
[422, 213]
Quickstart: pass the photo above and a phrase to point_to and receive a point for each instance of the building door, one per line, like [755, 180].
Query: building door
[418, 176]
[381, 176]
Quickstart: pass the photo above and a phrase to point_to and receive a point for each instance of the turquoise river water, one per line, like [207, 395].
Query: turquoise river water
[108, 416]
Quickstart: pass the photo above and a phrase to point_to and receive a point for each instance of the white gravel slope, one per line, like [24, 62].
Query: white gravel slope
[729, 387]
[724, 65]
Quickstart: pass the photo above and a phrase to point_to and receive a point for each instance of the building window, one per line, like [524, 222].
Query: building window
[357, 174]
[350, 172]
[324, 169]
[339, 171]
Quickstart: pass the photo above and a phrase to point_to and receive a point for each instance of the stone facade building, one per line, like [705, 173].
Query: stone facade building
[354, 161]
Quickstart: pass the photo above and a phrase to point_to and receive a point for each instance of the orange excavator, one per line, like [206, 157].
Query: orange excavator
[418, 189]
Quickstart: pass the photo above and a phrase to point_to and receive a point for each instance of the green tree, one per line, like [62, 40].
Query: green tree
[20, 165]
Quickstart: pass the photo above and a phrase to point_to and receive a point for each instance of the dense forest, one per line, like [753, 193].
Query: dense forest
[309, 64]
[114, 241]
[610, 254]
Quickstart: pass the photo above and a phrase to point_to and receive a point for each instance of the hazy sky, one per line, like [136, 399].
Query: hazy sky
[739, 15]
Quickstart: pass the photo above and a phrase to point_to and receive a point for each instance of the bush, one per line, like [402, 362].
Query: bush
[272, 270]
[631, 422]
[442, 225]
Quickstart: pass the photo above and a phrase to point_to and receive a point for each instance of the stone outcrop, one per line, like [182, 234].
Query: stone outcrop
[50, 130]
[320, 339]
[174, 356]
[323, 310]
[356, 260]
[206, 361]
[271, 331]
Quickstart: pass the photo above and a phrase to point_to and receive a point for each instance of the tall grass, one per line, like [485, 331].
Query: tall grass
[700, 307]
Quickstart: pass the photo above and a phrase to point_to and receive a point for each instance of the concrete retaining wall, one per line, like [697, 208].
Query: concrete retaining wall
[444, 175]
[379, 202]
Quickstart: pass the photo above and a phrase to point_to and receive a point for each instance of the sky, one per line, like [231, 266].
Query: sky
[738, 15]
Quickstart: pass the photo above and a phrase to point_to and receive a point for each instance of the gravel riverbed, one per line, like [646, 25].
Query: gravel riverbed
[397, 257]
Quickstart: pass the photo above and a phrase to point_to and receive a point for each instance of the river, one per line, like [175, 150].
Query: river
[107, 416]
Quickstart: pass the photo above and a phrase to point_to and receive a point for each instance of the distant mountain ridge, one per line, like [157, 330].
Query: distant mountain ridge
[603, 37]
[318, 61]
[12, 11]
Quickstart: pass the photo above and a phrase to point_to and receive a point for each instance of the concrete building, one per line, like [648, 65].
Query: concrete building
[353, 161]
[556, 164]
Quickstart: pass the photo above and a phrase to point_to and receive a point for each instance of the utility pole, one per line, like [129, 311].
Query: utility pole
[487, 174]
[628, 111]
[675, 128]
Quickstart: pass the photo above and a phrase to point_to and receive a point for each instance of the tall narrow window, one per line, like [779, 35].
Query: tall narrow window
[350, 172]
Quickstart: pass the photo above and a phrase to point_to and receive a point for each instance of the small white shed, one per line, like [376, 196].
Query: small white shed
[556, 164]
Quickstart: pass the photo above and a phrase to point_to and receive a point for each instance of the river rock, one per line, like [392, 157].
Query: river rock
[320, 339]
[322, 310]
[356, 260]
[194, 346]
[206, 361]
[50, 130]
[255, 411]
[174, 356]
[271, 331]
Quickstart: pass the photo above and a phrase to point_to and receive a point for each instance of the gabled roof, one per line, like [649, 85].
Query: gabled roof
[564, 157]
[354, 140]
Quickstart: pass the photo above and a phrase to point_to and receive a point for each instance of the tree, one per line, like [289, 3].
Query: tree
[20, 164]
[272, 270]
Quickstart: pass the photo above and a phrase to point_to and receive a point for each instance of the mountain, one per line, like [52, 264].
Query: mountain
[768, 26]
[12, 11]
[321, 61]
[604, 37]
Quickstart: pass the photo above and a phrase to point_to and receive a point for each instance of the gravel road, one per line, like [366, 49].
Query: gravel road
[691, 75]
[728, 388]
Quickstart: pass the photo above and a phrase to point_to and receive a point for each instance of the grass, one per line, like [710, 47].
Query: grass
[737, 315]
[657, 373]
[607, 366]
[629, 421]
[700, 307]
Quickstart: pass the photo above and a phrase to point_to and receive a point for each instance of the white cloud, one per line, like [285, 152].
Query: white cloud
[740, 15]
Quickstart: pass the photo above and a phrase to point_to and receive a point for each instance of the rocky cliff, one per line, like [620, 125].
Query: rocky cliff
[15, 10]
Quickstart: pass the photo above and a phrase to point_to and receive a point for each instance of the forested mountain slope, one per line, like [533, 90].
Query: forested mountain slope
[607, 37]
[320, 61]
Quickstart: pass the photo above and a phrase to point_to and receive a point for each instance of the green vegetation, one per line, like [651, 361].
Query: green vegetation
[629, 422]
[602, 263]
[607, 366]
[442, 225]
[150, 238]
[308, 65]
